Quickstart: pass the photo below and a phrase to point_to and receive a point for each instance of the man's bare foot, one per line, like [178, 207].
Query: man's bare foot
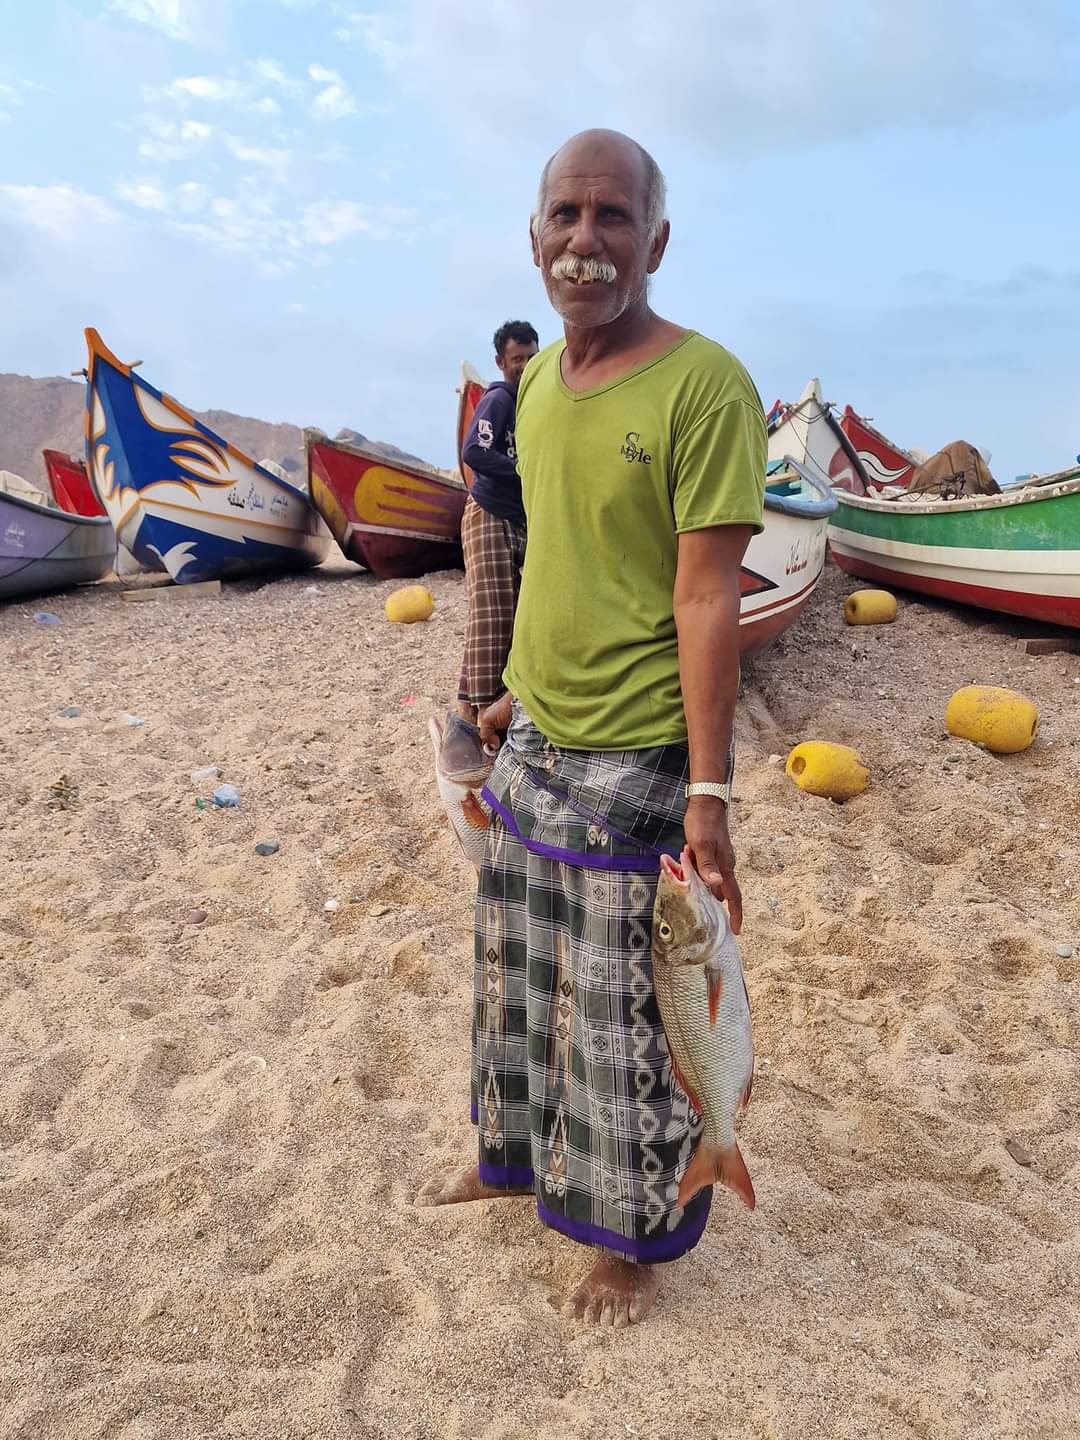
[461, 1186]
[613, 1293]
[467, 711]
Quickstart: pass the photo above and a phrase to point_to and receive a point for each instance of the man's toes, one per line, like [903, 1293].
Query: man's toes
[622, 1315]
[592, 1311]
[573, 1306]
[607, 1313]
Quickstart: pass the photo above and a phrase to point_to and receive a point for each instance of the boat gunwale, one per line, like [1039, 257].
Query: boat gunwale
[1050, 488]
[54, 512]
[418, 471]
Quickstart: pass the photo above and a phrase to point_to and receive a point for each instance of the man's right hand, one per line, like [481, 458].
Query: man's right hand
[494, 721]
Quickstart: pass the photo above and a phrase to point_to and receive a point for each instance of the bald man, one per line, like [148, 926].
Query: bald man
[642, 450]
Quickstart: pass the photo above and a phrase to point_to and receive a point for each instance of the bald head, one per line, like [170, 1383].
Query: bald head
[600, 149]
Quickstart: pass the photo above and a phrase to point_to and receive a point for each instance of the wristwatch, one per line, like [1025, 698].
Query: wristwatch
[709, 787]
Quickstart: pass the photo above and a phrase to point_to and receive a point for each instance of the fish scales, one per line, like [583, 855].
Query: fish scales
[703, 1003]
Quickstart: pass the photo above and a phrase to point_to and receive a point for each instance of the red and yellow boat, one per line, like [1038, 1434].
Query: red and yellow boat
[470, 392]
[397, 520]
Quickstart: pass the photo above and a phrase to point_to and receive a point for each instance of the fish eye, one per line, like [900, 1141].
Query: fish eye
[664, 930]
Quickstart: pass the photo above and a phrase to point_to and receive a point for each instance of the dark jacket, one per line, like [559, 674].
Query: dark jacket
[489, 451]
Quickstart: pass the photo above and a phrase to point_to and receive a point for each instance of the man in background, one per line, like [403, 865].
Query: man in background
[493, 526]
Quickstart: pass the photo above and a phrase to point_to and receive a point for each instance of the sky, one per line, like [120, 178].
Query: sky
[314, 210]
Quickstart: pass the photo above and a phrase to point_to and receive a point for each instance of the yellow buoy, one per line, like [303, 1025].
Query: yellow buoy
[405, 607]
[821, 768]
[870, 607]
[1003, 721]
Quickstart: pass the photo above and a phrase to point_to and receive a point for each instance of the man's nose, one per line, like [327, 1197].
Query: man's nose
[585, 237]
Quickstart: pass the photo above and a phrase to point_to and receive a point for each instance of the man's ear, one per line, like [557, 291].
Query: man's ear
[659, 245]
[534, 241]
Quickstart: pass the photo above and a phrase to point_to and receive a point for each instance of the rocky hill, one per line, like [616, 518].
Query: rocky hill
[40, 414]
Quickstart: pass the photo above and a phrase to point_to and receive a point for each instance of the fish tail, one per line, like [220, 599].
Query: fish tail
[709, 1166]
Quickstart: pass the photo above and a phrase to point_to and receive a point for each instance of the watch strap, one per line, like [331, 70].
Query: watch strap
[710, 787]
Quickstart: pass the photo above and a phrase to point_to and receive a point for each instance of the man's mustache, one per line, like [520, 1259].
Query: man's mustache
[583, 270]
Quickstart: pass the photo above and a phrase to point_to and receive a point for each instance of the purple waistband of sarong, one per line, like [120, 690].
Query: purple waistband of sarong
[647, 864]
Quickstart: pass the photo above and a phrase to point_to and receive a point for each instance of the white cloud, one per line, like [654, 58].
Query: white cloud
[325, 222]
[12, 96]
[269, 72]
[145, 194]
[759, 76]
[164, 140]
[171, 17]
[277, 162]
[374, 33]
[207, 87]
[59, 210]
[191, 196]
[334, 101]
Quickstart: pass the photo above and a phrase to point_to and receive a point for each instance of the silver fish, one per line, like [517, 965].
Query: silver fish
[703, 1003]
[469, 817]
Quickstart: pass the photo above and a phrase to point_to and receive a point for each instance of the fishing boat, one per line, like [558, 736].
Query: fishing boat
[69, 484]
[396, 519]
[1017, 552]
[810, 434]
[883, 462]
[44, 547]
[182, 499]
[469, 392]
[783, 564]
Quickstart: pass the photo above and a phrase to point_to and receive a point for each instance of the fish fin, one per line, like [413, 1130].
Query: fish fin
[715, 980]
[747, 1092]
[712, 1167]
[474, 813]
[691, 1093]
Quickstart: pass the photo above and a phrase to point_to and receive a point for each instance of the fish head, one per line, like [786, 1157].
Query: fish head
[689, 924]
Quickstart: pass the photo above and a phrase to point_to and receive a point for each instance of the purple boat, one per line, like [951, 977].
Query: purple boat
[43, 548]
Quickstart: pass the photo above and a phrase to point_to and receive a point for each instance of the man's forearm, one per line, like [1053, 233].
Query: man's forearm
[708, 631]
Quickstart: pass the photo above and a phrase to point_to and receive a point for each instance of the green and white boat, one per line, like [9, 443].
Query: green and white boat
[1018, 552]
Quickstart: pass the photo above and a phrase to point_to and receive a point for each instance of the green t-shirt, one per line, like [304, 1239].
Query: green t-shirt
[610, 478]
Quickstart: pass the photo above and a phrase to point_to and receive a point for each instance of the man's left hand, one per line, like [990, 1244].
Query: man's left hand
[709, 843]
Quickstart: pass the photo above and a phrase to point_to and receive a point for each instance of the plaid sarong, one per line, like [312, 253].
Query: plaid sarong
[494, 553]
[572, 1088]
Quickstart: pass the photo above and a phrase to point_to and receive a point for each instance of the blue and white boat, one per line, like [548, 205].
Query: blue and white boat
[181, 498]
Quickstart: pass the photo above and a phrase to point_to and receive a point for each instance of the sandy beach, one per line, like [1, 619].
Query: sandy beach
[224, 1075]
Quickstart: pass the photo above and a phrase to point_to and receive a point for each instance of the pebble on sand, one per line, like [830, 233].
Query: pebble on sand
[195, 917]
[208, 772]
[1020, 1153]
[71, 712]
[1064, 952]
[124, 721]
[267, 847]
[226, 797]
